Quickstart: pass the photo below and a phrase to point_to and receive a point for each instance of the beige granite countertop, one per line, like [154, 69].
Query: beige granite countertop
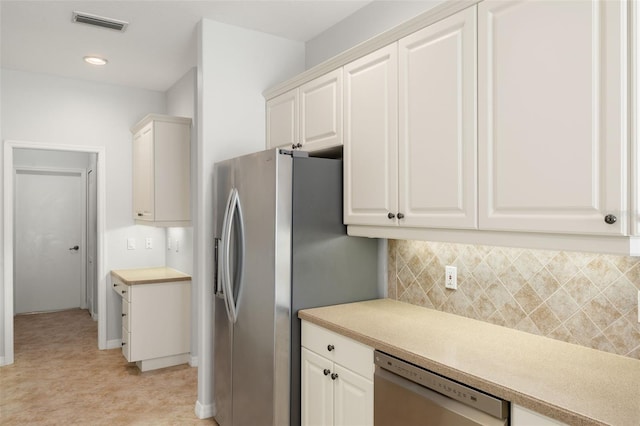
[571, 383]
[150, 275]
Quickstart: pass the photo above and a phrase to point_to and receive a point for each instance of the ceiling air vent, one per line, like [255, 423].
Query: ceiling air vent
[99, 21]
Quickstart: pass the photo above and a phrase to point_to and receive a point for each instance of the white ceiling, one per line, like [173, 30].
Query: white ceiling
[158, 46]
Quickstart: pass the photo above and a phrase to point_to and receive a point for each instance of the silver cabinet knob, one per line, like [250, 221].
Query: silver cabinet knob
[610, 219]
[391, 215]
[330, 348]
[326, 371]
[400, 215]
[334, 376]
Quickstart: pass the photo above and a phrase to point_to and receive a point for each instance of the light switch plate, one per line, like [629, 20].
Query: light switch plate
[148, 243]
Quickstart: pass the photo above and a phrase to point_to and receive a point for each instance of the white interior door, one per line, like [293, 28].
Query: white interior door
[50, 211]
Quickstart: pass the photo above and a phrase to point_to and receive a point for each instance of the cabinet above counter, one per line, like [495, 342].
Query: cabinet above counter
[455, 130]
[162, 171]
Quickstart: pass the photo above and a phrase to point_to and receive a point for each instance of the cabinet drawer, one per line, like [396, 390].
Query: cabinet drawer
[344, 351]
[126, 315]
[121, 288]
[126, 344]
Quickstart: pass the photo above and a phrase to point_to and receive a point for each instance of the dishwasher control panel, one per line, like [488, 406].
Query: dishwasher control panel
[479, 400]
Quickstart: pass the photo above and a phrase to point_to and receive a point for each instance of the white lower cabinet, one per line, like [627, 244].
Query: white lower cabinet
[337, 379]
[521, 416]
[156, 323]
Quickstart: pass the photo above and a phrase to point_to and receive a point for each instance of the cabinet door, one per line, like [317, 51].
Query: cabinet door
[160, 320]
[172, 178]
[282, 120]
[437, 124]
[143, 171]
[371, 139]
[552, 138]
[317, 390]
[321, 112]
[353, 403]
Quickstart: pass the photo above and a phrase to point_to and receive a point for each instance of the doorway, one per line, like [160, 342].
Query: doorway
[91, 295]
[50, 239]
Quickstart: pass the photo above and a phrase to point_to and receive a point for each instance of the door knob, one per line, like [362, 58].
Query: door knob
[76, 248]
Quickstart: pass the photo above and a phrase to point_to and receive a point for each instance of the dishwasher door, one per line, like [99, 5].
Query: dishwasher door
[399, 401]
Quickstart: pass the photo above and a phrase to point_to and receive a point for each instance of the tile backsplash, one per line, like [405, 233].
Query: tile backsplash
[582, 298]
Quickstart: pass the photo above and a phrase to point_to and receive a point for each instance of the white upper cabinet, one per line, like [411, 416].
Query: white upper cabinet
[308, 117]
[552, 116]
[282, 120]
[161, 171]
[321, 112]
[371, 139]
[437, 124]
[410, 137]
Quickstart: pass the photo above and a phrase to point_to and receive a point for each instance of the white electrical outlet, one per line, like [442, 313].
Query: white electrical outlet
[131, 243]
[451, 277]
[148, 243]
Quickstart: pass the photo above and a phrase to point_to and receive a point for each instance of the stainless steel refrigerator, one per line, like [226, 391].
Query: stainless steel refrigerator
[280, 247]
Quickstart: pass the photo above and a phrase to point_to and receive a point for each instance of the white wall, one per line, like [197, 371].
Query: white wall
[182, 102]
[42, 108]
[231, 122]
[371, 20]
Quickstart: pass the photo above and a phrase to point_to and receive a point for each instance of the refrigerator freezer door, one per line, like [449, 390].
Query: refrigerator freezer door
[223, 329]
[258, 179]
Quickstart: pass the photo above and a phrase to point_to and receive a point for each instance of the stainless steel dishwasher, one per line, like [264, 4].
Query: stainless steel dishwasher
[407, 395]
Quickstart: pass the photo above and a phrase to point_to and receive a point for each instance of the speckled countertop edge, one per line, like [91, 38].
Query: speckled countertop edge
[570, 383]
[150, 275]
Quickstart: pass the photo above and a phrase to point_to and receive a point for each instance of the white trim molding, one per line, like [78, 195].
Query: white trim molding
[204, 411]
[9, 146]
[193, 361]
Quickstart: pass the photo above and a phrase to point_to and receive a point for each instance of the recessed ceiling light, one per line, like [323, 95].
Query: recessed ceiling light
[94, 60]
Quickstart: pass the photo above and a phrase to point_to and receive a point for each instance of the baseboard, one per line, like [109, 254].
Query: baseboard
[193, 361]
[205, 411]
[94, 315]
[115, 343]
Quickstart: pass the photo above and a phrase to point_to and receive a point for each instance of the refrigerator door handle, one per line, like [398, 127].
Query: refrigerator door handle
[223, 253]
[233, 208]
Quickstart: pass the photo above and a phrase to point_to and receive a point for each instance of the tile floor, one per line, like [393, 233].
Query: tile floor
[60, 378]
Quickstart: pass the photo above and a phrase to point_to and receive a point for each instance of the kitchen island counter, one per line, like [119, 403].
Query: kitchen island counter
[570, 383]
